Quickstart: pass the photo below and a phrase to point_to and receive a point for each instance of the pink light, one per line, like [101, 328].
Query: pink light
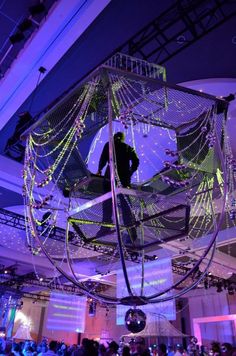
[210, 319]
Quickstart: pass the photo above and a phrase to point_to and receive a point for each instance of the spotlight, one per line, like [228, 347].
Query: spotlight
[37, 9]
[232, 214]
[25, 25]
[17, 37]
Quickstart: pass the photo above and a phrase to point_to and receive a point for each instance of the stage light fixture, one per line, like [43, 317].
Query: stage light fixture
[25, 25]
[232, 214]
[17, 37]
[25, 116]
[92, 308]
[42, 70]
[37, 9]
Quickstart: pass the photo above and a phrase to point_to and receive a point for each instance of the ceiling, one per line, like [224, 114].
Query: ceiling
[64, 44]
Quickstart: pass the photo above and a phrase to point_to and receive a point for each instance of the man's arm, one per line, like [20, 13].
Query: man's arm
[103, 159]
[134, 159]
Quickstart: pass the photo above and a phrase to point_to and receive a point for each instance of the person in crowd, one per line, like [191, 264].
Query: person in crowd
[162, 350]
[170, 350]
[126, 351]
[132, 347]
[113, 348]
[203, 350]
[52, 349]
[42, 348]
[102, 350]
[226, 349]
[215, 349]
[178, 350]
[88, 348]
[16, 349]
[141, 349]
[8, 348]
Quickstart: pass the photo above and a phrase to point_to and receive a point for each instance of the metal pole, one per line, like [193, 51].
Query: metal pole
[113, 190]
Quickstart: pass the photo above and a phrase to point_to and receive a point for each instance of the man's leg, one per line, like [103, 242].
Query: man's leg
[127, 215]
[106, 211]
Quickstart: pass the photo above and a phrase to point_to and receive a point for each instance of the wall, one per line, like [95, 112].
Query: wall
[204, 303]
[103, 326]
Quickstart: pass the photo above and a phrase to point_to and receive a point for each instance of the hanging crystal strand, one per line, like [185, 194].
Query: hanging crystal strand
[56, 163]
[64, 122]
[131, 91]
[231, 169]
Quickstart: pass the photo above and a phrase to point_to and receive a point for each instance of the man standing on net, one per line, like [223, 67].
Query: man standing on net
[126, 163]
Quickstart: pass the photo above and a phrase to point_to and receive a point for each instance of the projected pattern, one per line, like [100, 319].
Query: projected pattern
[66, 312]
[157, 277]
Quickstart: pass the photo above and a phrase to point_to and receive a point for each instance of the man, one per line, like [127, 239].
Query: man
[113, 348]
[124, 155]
[52, 349]
[126, 163]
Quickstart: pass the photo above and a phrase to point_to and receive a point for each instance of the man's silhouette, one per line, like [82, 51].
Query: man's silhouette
[126, 159]
[126, 163]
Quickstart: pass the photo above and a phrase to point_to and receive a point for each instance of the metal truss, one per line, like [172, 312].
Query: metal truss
[17, 221]
[30, 279]
[178, 27]
[14, 282]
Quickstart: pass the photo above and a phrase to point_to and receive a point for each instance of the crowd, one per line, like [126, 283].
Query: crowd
[134, 347]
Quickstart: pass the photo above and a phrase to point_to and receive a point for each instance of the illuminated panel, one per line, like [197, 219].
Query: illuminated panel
[157, 277]
[66, 312]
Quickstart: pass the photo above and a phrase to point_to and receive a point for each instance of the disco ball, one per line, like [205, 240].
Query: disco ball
[135, 320]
